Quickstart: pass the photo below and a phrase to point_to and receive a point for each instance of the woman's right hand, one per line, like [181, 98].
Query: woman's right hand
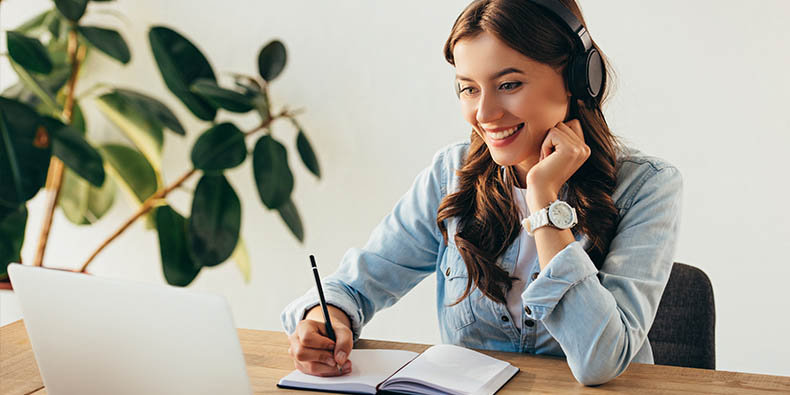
[316, 354]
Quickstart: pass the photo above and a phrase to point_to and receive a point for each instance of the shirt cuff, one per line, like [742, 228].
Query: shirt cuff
[297, 309]
[569, 267]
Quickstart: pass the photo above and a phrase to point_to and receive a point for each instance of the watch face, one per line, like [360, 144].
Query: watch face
[561, 215]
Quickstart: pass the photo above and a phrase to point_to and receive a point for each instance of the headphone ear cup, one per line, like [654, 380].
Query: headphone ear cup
[594, 73]
[577, 76]
[585, 75]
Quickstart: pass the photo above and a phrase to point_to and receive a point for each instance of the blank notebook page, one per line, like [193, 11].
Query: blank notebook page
[368, 367]
[452, 367]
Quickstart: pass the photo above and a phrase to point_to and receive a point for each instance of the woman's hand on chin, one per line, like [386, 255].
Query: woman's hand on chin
[563, 152]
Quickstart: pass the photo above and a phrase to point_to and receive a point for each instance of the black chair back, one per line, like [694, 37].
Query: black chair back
[683, 333]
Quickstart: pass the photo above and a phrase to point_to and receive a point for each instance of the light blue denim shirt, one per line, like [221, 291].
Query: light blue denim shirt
[597, 319]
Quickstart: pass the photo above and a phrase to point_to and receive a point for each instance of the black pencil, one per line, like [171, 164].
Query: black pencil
[329, 331]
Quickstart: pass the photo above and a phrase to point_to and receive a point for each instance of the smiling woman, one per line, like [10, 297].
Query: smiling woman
[546, 235]
[502, 86]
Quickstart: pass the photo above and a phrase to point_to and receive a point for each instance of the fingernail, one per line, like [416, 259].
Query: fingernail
[340, 357]
[347, 366]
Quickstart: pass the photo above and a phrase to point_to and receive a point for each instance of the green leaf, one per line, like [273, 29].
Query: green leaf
[28, 52]
[271, 60]
[219, 148]
[290, 215]
[272, 175]
[12, 234]
[82, 203]
[108, 41]
[178, 268]
[40, 90]
[261, 103]
[242, 259]
[306, 151]
[6, 211]
[154, 108]
[78, 119]
[248, 84]
[181, 64]
[54, 25]
[131, 168]
[25, 151]
[74, 151]
[72, 9]
[140, 126]
[221, 97]
[35, 23]
[215, 221]
[59, 49]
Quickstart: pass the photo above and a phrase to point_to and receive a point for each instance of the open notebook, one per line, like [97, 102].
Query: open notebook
[441, 369]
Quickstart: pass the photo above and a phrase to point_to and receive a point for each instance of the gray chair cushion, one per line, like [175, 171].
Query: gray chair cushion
[683, 333]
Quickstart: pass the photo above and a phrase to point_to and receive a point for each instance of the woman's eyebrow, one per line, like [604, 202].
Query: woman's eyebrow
[493, 76]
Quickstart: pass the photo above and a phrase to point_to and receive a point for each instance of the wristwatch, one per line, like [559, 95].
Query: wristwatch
[558, 214]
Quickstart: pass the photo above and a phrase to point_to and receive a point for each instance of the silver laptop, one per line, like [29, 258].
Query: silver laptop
[94, 335]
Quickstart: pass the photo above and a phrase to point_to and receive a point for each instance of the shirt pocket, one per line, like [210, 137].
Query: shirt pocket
[455, 275]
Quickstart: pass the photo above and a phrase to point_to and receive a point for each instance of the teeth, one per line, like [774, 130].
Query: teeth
[503, 134]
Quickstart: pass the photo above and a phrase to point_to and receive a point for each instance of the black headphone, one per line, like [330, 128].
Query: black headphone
[585, 67]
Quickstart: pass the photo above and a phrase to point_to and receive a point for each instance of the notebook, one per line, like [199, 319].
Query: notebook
[441, 369]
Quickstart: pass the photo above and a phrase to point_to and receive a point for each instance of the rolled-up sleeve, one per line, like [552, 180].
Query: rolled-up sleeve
[401, 251]
[601, 318]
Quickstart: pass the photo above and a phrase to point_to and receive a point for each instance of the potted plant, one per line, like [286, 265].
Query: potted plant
[45, 143]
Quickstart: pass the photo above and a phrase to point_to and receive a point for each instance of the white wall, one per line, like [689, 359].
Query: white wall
[702, 84]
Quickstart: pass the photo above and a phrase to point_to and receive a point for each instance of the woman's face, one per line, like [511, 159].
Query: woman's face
[510, 100]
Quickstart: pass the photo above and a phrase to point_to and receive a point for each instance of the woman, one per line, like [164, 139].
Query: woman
[546, 236]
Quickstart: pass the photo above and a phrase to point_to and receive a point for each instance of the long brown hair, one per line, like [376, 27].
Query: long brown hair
[488, 219]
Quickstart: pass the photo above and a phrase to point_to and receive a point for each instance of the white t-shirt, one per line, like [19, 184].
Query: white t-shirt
[526, 255]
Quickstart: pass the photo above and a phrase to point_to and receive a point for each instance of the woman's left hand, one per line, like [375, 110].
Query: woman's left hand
[563, 152]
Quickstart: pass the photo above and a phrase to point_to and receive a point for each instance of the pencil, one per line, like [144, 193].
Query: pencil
[327, 322]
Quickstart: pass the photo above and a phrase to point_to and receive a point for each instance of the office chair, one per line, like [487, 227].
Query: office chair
[683, 333]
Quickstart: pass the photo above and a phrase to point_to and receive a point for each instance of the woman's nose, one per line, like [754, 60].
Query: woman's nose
[488, 109]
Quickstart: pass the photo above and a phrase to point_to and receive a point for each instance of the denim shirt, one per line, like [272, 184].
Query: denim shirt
[597, 319]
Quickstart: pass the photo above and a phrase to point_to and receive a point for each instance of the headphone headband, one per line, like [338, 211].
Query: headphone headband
[570, 20]
[585, 68]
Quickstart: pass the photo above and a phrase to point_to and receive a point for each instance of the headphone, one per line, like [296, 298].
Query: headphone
[585, 66]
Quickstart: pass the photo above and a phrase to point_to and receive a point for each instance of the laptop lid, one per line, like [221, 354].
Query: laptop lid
[94, 335]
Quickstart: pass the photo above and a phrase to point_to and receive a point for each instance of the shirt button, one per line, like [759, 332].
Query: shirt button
[535, 276]
[447, 272]
[529, 323]
[527, 310]
[504, 318]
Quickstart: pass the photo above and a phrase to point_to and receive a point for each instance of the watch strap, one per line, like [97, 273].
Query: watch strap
[536, 220]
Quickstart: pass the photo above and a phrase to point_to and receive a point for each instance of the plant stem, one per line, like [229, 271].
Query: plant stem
[55, 172]
[145, 208]
[154, 199]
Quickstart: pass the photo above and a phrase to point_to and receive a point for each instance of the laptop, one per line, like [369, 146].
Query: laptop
[94, 335]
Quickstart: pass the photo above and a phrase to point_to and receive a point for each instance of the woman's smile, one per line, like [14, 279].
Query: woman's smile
[502, 137]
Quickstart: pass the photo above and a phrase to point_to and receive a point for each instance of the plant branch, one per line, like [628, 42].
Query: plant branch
[55, 173]
[145, 208]
[160, 195]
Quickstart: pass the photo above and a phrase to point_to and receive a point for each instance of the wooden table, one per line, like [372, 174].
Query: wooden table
[266, 353]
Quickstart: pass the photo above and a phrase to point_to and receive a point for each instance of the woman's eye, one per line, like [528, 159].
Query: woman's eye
[510, 85]
[467, 90]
